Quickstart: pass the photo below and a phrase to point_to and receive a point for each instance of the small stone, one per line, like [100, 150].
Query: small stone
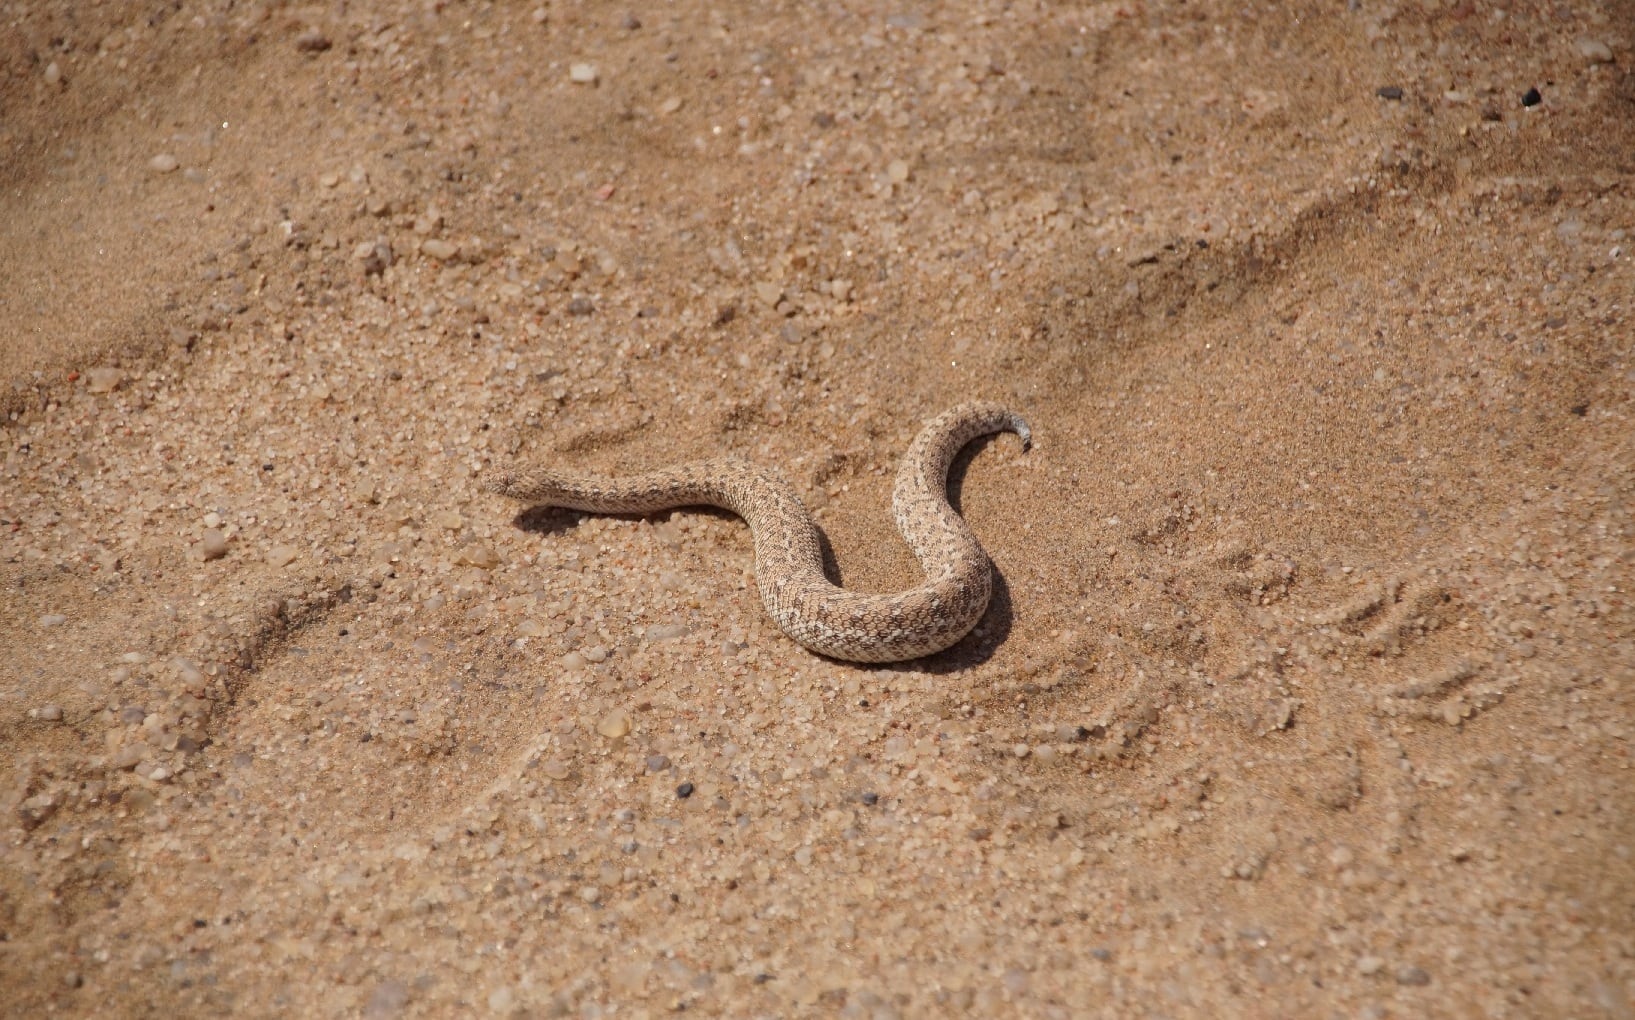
[439, 249]
[590, 894]
[555, 768]
[127, 757]
[573, 661]
[1412, 976]
[1368, 966]
[1021, 750]
[191, 677]
[897, 171]
[582, 74]
[768, 293]
[53, 620]
[49, 713]
[501, 999]
[53, 73]
[282, 555]
[163, 163]
[1590, 48]
[104, 380]
[312, 42]
[666, 631]
[614, 725]
[595, 653]
[684, 791]
[213, 544]
[1532, 97]
[374, 257]
[581, 306]
[657, 763]
[480, 556]
[449, 519]
[1391, 92]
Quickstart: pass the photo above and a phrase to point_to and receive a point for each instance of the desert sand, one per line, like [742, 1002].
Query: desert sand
[1307, 686]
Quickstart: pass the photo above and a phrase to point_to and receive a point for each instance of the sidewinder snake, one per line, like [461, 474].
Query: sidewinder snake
[788, 559]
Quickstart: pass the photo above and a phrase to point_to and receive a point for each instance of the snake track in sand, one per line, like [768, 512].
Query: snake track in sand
[788, 558]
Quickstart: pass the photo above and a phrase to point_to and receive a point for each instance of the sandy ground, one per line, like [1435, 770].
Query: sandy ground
[1307, 688]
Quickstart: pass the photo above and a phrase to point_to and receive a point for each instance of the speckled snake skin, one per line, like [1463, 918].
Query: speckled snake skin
[788, 563]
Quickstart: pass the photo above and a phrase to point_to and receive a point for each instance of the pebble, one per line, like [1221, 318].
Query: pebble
[684, 791]
[581, 306]
[439, 249]
[213, 544]
[53, 73]
[163, 163]
[480, 556]
[666, 631]
[1368, 966]
[555, 768]
[590, 894]
[53, 620]
[614, 725]
[1413, 976]
[282, 555]
[595, 653]
[657, 763]
[49, 713]
[104, 379]
[312, 41]
[1590, 48]
[582, 74]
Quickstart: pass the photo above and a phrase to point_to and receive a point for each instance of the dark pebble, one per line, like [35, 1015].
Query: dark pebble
[684, 791]
[1102, 954]
[871, 798]
[1531, 98]
[1391, 92]
[580, 306]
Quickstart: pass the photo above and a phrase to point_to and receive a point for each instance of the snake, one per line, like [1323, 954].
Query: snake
[825, 618]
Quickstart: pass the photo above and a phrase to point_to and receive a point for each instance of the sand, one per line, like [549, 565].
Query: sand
[1307, 686]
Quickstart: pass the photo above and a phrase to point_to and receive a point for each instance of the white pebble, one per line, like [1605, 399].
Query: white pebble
[163, 163]
[582, 74]
[49, 713]
[53, 73]
[1593, 50]
[53, 620]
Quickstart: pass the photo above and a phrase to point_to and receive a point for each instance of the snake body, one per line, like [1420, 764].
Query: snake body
[825, 618]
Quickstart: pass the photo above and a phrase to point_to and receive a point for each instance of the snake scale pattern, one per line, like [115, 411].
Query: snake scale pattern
[808, 607]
